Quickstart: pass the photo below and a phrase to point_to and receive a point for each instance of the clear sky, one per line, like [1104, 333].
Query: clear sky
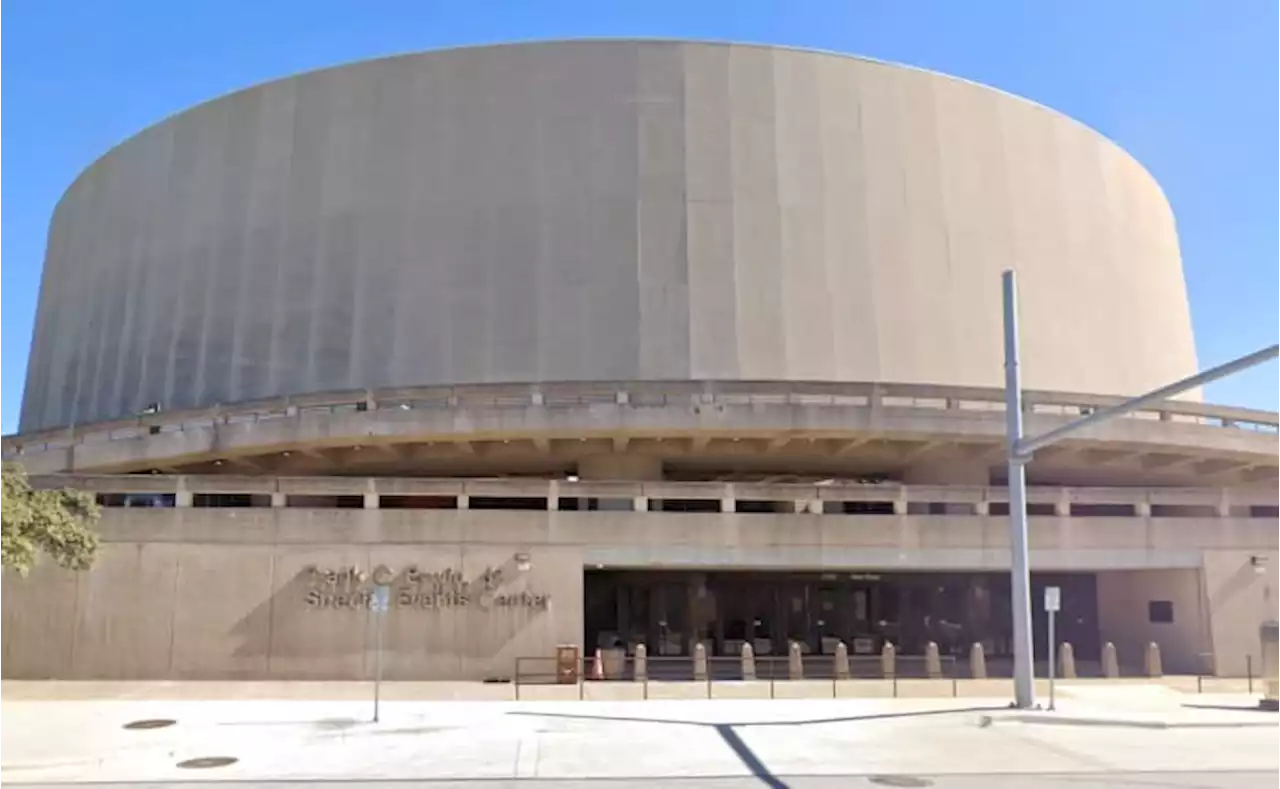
[1189, 87]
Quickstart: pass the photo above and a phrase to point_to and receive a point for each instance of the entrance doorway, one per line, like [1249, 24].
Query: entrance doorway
[671, 611]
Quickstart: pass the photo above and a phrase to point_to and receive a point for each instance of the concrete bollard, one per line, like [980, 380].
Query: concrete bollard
[641, 670]
[842, 661]
[1151, 661]
[795, 665]
[1067, 660]
[1110, 664]
[699, 663]
[748, 661]
[932, 661]
[888, 660]
[977, 661]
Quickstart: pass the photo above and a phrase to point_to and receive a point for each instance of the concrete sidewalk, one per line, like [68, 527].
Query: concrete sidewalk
[620, 690]
[1131, 728]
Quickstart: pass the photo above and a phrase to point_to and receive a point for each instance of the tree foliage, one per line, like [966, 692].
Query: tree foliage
[56, 522]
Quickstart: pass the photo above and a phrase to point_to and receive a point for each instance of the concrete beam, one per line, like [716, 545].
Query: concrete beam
[843, 448]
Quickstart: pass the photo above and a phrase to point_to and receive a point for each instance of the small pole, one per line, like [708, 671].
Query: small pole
[381, 600]
[377, 671]
[1053, 671]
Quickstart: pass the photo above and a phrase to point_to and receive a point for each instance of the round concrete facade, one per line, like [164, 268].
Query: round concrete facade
[602, 211]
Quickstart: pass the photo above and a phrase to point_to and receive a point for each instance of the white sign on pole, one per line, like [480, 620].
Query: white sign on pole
[1053, 598]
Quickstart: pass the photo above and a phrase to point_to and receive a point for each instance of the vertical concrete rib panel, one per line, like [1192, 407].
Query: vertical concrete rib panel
[759, 306]
[714, 351]
[806, 290]
[662, 253]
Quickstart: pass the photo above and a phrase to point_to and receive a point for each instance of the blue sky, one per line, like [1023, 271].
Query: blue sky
[1189, 87]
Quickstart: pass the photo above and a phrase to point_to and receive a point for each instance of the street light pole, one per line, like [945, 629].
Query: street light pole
[1020, 449]
[1019, 569]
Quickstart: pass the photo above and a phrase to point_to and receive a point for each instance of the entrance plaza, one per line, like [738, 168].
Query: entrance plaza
[595, 345]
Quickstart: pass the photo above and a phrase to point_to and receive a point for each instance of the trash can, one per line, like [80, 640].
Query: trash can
[1270, 636]
[567, 664]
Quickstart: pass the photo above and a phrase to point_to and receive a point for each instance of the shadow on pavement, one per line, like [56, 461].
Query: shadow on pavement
[741, 749]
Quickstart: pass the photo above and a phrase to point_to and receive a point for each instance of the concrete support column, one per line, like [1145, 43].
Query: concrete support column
[553, 495]
[1224, 504]
[640, 504]
[1142, 509]
[464, 501]
[1062, 507]
[729, 503]
[182, 496]
[620, 466]
[278, 499]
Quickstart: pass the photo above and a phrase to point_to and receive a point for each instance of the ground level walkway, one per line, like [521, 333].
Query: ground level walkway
[257, 732]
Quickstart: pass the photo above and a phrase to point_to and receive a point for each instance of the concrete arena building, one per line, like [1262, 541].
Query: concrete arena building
[610, 343]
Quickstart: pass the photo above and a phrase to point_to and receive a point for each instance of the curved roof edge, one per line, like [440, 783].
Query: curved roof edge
[608, 40]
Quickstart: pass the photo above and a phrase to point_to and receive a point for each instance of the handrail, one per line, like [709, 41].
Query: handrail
[632, 393]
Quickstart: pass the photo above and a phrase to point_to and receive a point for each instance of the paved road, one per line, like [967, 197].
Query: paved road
[1116, 780]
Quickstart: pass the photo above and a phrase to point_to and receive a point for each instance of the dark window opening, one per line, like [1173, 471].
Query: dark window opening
[230, 500]
[857, 507]
[1160, 611]
[685, 505]
[762, 505]
[146, 500]
[325, 502]
[1264, 511]
[418, 502]
[1002, 508]
[1102, 510]
[1183, 511]
[507, 503]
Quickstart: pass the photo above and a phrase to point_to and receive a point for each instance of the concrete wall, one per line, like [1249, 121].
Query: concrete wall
[152, 610]
[221, 593]
[601, 210]
[1123, 619]
[1242, 598]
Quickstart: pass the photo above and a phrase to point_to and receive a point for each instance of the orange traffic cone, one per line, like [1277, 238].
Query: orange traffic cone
[597, 669]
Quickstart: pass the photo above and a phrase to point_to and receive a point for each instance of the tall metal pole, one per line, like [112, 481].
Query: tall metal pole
[1019, 570]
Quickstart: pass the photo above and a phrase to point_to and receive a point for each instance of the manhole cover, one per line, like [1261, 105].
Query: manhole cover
[150, 723]
[205, 762]
[899, 780]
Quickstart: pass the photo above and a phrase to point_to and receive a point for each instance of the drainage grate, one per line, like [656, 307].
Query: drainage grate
[900, 780]
[205, 762]
[150, 723]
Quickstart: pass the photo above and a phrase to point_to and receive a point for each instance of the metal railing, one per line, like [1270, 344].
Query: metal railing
[130, 490]
[772, 675]
[634, 394]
